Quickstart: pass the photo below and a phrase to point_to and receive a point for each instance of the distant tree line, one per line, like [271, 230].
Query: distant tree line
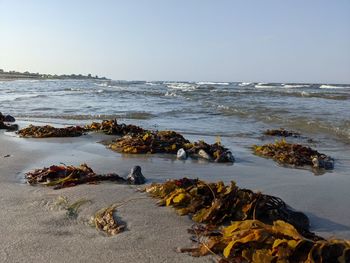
[28, 75]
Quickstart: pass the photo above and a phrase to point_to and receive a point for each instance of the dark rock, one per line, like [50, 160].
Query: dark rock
[135, 176]
[9, 118]
[225, 157]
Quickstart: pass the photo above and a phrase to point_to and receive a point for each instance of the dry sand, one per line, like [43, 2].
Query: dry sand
[33, 229]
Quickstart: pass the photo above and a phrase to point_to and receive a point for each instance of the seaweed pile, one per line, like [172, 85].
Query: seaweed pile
[49, 131]
[4, 119]
[261, 228]
[137, 140]
[104, 221]
[170, 142]
[294, 154]
[216, 203]
[66, 176]
[111, 127]
[255, 241]
[150, 142]
[282, 133]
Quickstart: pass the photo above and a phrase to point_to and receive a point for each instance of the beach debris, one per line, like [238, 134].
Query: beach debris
[294, 154]
[255, 241]
[181, 154]
[105, 221]
[61, 176]
[217, 203]
[282, 133]
[135, 176]
[49, 131]
[6, 126]
[72, 209]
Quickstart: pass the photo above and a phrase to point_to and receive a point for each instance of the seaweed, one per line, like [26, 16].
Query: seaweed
[66, 176]
[238, 225]
[217, 203]
[104, 220]
[294, 154]
[282, 133]
[136, 140]
[255, 241]
[111, 127]
[170, 142]
[72, 209]
[49, 131]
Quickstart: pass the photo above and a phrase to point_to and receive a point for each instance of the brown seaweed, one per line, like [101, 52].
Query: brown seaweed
[66, 176]
[216, 203]
[170, 142]
[294, 154]
[282, 133]
[255, 241]
[104, 220]
[111, 127]
[49, 131]
[137, 140]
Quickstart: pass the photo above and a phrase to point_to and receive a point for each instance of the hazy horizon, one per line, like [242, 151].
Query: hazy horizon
[228, 41]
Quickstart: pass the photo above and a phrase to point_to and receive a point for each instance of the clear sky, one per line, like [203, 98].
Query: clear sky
[217, 40]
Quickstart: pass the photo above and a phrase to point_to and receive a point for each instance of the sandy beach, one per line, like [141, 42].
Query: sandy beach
[34, 229]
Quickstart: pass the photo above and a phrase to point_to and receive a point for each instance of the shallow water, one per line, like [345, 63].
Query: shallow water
[237, 112]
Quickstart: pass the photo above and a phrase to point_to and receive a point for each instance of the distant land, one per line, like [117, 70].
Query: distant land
[14, 75]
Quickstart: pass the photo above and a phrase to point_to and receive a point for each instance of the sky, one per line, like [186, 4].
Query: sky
[180, 40]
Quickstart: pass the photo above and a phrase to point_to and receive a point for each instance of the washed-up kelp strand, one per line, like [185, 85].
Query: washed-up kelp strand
[282, 133]
[66, 176]
[170, 142]
[294, 154]
[150, 142]
[111, 127]
[49, 131]
[255, 241]
[216, 203]
[105, 221]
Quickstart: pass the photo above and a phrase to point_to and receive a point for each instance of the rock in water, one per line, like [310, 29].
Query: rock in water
[225, 157]
[135, 176]
[181, 154]
[203, 154]
[9, 118]
[325, 162]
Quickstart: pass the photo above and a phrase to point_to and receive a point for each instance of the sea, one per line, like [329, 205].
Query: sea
[226, 109]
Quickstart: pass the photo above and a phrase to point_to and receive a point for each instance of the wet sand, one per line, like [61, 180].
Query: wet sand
[33, 229]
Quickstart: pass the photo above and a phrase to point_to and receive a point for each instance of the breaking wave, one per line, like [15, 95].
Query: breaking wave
[212, 83]
[334, 87]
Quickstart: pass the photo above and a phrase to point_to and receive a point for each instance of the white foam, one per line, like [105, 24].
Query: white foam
[152, 84]
[290, 86]
[243, 84]
[334, 87]
[170, 94]
[212, 83]
[262, 86]
[181, 86]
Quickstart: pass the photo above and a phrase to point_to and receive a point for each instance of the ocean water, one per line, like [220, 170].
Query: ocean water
[223, 109]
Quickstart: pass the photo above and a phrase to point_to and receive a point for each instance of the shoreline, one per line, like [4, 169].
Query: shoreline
[34, 229]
